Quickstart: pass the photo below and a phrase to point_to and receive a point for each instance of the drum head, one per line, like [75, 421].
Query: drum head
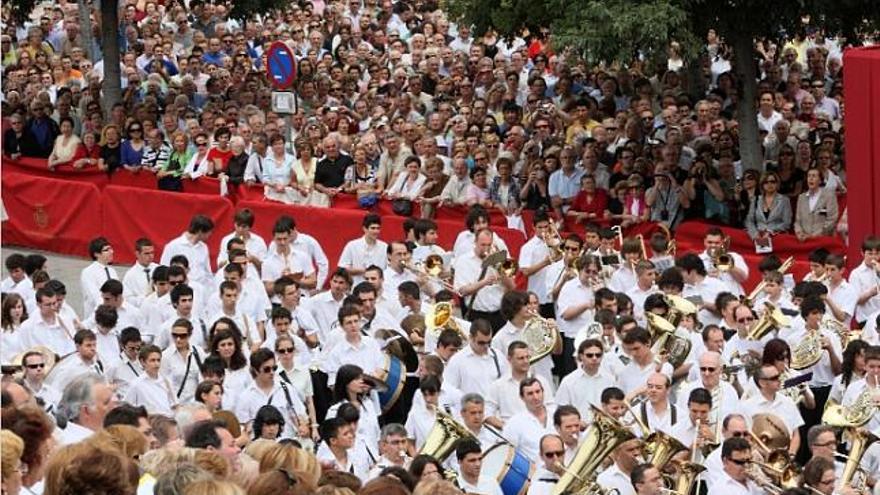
[399, 346]
[496, 460]
[511, 469]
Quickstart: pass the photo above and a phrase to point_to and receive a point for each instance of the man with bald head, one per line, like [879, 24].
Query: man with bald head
[552, 452]
[656, 412]
[330, 174]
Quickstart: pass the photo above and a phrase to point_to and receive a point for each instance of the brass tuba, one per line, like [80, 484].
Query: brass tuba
[679, 307]
[541, 335]
[772, 319]
[659, 448]
[860, 440]
[444, 436]
[601, 438]
[665, 340]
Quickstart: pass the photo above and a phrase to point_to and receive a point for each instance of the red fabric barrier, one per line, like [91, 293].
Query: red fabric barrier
[202, 185]
[61, 216]
[860, 84]
[38, 167]
[141, 179]
[131, 213]
[689, 238]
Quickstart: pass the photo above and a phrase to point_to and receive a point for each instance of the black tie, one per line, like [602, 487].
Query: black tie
[147, 273]
[107, 271]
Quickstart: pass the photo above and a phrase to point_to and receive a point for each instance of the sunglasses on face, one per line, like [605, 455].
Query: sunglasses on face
[36, 366]
[708, 369]
[269, 369]
[286, 350]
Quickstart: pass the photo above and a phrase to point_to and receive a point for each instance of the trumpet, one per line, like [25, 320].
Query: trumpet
[501, 262]
[721, 259]
[750, 299]
[432, 268]
[554, 242]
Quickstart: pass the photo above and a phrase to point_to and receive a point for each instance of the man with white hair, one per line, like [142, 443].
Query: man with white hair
[84, 403]
[725, 400]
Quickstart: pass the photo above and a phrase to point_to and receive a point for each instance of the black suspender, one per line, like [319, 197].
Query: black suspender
[673, 414]
[495, 360]
[128, 363]
[192, 352]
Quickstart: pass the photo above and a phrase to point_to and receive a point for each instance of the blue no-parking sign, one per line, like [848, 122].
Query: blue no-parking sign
[280, 65]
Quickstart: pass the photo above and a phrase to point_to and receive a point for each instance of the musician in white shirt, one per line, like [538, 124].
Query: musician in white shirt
[535, 261]
[617, 475]
[583, 387]
[725, 399]
[525, 429]
[568, 423]
[699, 288]
[152, 390]
[475, 367]
[477, 219]
[137, 280]
[324, 307]
[229, 308]
[695, 431]
[392, 445]
[99, 271]
[191, 244]
[269, 389]
[516, 310]
[842, 297]
[574, 309]
[646, 480]
[470, 463]
[656, 412]
[870, 384]
[111, 295]
[734, 425]
[551, 468]
[503, 399]
[714, 241]
[865, 278]
[736, 454]
[106, 333]
[355, 348]
[624, 276]
[182, 298]
[637, 345]
[483, 287]
[368, 250]
[282, 260]
[769, 400]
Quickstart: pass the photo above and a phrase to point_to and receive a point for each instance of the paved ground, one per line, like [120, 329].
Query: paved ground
[64, 268]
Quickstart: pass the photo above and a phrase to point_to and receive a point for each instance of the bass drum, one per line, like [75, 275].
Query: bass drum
[392, 375]
[510, 468]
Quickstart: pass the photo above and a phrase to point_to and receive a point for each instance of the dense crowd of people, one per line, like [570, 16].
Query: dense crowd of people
[266, 368]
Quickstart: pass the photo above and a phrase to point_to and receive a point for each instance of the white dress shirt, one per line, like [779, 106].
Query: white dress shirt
[863, 278]
[543, 481]
[137, 283]
[581, 390]
[358, 254]
[822, 374]
[123, 374]
[509, 334]
[366, 353]
[623, 278]
[155, 394]
[325, 311]
[533, 252]
[288, 403]
[108, 347]
[276, 264]
[657, 422]
[728, 486]
[635, 376]
[729, 400]
[612, 477]
[573, 293]
[524, 431]
[853, 392]
[706, 290]
[254, 245]
[466, 243]
[468, 268]
[733, 286]
[24, 288]
[780, 405]
[486, 485]
[91, 279]
[845, 296]
[56, 335]
[71, 368]
[197, 255]
[470, 372]
[74, 433]
[639, 296]
[503, 400]
[179, 370]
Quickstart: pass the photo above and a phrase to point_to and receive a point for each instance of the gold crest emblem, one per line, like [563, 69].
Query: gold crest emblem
[41, 216]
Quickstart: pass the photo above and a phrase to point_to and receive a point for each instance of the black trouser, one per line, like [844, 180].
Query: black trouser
[811, 417]
[564, 363]
[493, 317]
[400, 411]
[322, 395]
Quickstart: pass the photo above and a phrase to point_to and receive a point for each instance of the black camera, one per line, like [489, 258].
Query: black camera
[664, 215]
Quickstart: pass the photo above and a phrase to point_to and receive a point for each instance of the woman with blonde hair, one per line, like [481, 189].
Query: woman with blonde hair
[111, 149]
[213, 487]
[125, 438]
[11, 468]
[294, 459]
[90, 467]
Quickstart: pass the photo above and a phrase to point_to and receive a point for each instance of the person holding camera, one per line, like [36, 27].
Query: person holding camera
[706, 195]
[666, 199]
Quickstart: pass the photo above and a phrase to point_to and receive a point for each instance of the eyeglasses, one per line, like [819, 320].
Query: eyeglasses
[825, 444]
[482, 342]
[135, 129]
[35, 366]
[746, 319]
[180, 335]
[739, 434]
[269, 369]
[774, 378]
[740, 462]
[201, 144]
[708, 369]
[554, 454]
[592, 355]
[286, 350]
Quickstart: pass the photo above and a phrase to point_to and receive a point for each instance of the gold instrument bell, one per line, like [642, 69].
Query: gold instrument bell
[444, 436]
[721, 259]
[501, 262]
[679, 307]
[807, 352]
[439, 318]
[664, 340]
[857, 414]
[772, 319]
[541, 336]
[600, 439]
